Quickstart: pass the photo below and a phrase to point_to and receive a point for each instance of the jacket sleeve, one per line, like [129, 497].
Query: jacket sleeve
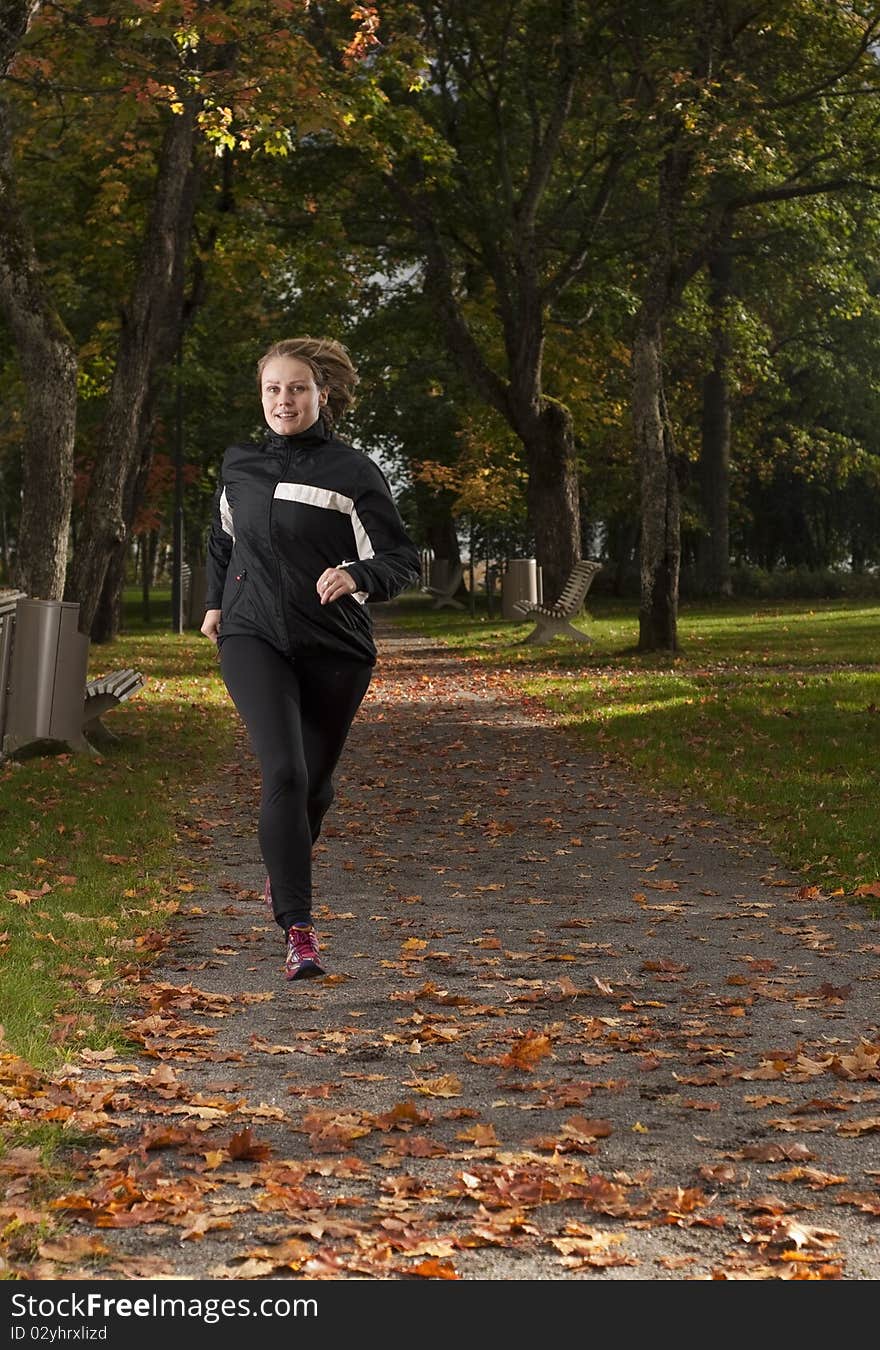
[388, 560]
[220, 541]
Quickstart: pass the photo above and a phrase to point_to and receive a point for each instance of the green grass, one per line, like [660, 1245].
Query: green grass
[753, 632]
[770, 713]
[92, 850]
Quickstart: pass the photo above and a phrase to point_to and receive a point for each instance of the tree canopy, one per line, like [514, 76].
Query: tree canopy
[608, 271]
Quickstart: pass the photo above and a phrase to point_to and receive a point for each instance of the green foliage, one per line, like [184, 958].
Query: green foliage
[93, 89]
[316, 139]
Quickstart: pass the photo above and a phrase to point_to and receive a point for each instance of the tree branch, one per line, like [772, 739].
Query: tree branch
[544, 153]
[868, 40]
[439, 283]
[785, 192]
[572, 268]
[16, 17]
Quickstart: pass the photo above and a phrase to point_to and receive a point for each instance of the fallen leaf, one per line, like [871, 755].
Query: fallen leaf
[447, 1085]
[243, 1145]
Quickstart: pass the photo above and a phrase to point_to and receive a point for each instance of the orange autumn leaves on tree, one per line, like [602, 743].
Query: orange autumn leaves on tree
[486, 477]
[365, 38]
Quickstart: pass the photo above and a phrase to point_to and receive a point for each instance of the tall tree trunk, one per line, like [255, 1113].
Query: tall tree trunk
[660, 543]
[148, 336]
[552, 495]
[4, 532]
[544, 425]
[660, 538]
[48, 366]
[106, 623]
[714, 545]
[107, 620]
[443, 539]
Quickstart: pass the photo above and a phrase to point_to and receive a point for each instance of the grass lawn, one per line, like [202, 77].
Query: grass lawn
[770, 713]
[89, 866]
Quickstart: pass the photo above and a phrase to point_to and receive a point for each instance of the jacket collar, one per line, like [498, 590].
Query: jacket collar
[315, 436]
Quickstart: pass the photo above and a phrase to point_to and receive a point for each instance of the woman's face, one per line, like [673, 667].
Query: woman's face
[291, 398]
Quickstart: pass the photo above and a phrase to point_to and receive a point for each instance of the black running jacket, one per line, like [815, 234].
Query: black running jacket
[287, 508]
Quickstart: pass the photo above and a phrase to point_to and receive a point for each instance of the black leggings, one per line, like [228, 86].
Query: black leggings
[298, 711]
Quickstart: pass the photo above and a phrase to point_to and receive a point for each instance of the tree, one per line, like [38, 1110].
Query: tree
[501, 159]
[163, 90]
[790, 327]
[46, 354]
[737, 97]
[150, 328]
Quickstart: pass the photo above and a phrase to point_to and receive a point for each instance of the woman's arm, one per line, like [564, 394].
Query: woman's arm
[388, 560]
[220, 541]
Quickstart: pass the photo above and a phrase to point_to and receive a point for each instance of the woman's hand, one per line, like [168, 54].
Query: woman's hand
[211, 625]
[334, 583]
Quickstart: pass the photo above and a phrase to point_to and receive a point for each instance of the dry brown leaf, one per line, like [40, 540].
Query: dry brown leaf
[526, 1052]
[243, 1145]
[582, 1128]
[72, 1249]
[867, 1125]
[433, 1270]
[814, 1177]
[483, 1136]
[447, 1085]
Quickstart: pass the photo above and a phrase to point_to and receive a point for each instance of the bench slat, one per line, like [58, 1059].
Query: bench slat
[122, 683]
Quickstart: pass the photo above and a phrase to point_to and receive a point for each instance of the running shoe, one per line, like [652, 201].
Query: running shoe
[302, 961]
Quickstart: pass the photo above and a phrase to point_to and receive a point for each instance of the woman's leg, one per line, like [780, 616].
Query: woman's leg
[331, 691]
[265, 688]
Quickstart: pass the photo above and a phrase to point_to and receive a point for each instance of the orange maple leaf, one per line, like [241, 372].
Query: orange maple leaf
[527, 1051]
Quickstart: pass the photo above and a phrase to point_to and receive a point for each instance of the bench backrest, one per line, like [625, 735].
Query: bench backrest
[120, 683]
[577, 585]
[8, 602]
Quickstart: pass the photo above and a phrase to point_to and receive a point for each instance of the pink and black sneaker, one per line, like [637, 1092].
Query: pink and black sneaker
[303, 960]
[267, 896]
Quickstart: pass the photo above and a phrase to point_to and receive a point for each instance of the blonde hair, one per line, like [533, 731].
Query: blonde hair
[330, 364]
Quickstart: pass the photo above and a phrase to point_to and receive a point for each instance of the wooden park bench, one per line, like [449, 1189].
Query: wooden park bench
[45, 699]
[102, 694]
[555, 620]
[445, 594]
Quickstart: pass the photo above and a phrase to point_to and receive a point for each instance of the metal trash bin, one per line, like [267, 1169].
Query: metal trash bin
[47, 677]
[521, 581]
